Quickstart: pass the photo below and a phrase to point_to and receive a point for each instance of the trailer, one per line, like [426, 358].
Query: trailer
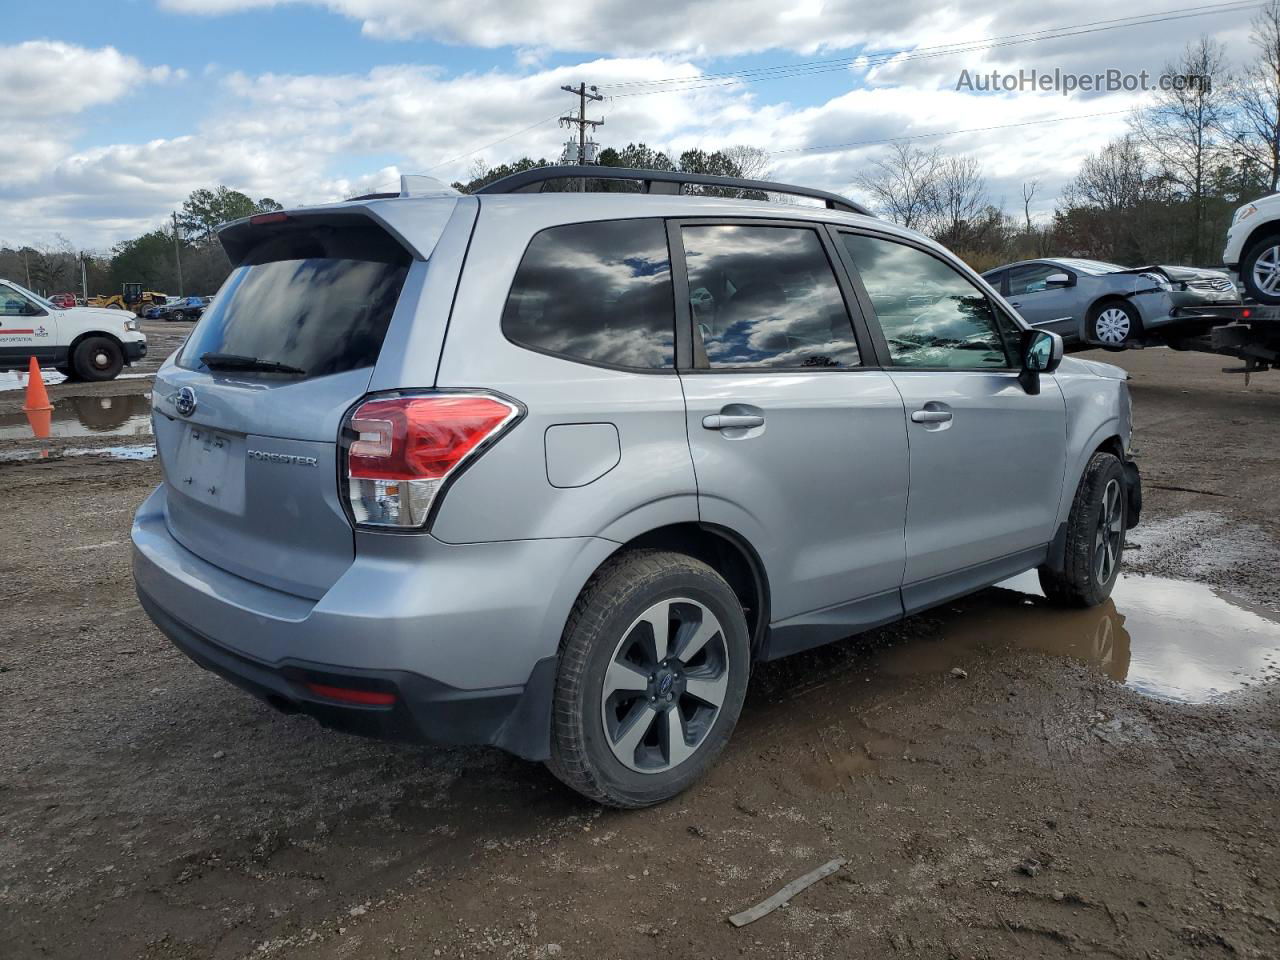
[1249, 332]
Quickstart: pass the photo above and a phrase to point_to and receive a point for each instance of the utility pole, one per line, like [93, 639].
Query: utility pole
[582, 122]
[177, 251]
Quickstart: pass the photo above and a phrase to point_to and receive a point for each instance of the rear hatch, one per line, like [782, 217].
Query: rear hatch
[247, 414]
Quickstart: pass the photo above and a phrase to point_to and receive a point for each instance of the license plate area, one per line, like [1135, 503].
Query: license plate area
[209, 468]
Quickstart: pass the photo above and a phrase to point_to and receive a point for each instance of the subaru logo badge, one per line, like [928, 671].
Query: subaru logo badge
[184, 401]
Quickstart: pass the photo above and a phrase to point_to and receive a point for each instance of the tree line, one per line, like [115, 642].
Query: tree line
[150, 259]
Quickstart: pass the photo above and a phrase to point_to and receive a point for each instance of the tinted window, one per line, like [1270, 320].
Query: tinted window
[995, 279]
[766, 297]
[316, 299]
[930, 314]
[1031, 279]
[597, 291]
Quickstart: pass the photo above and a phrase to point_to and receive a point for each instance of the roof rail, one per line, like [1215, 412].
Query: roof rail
[530, 181]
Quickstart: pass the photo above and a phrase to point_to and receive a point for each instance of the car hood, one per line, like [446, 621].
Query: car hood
[104, 312]
[1180, 273]
[1107, 371]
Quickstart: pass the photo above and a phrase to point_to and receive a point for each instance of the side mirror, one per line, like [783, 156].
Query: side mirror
[1059, 280]
[1041, 353]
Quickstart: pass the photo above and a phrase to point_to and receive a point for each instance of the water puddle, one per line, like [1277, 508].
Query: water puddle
[1170, 639]
[139, 452]
[11, 380]
[126, 415]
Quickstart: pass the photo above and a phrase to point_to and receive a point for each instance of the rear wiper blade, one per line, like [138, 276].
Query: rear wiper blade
[234, 361]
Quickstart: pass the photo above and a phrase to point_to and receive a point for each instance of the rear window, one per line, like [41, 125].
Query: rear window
[318, 299]
[599, 292]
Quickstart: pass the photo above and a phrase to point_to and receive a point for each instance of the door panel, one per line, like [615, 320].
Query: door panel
[985, 483]
[986, 456]
[819, 489]
[794, 446]
[1049, 308]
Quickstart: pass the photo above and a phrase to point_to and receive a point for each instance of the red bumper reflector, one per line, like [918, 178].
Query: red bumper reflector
[365, 698]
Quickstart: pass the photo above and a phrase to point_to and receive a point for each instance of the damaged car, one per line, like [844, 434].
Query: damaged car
[1089, 301]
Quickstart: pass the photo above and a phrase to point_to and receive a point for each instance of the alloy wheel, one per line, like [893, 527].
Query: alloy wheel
[665, 685]
[1266, 271]
[1109, 539]
[1113, 325]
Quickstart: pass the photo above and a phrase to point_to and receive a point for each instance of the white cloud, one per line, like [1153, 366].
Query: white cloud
[40, 78]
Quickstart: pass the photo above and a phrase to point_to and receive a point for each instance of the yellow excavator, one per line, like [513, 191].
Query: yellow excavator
[131, 297]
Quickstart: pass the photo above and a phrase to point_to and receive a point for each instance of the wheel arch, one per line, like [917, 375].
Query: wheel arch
[81, 337]
[726, 552]
[1263, 231]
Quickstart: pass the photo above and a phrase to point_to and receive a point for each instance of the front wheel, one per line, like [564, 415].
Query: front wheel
[1260, 271]
[1115, 324]
[98, 358]
[654, 663]
[1095, 537]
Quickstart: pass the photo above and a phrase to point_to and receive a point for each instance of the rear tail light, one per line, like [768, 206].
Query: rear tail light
[406, 449]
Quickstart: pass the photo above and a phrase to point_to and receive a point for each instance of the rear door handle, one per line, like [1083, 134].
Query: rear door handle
[726, 421]
[930, 416]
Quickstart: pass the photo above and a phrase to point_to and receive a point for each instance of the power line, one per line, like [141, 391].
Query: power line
[494, 143]
[788, 71]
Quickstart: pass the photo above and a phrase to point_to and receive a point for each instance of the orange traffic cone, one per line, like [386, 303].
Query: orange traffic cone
[36, 406]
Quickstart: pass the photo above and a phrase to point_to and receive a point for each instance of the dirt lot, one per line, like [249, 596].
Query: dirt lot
[1037, 807]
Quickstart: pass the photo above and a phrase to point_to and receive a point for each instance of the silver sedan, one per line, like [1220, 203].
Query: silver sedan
[1092, 301]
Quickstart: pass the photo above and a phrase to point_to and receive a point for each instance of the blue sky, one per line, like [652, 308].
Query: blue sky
[118, 110]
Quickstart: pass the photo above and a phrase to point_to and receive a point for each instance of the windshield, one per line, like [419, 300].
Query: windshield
[1095, 267]
[34, 296]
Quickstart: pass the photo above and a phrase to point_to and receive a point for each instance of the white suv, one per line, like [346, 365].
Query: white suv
[86, 343]
[1253, 248]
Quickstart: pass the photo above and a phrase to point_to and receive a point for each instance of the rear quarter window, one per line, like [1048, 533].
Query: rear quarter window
[596, 292]
[316, 298]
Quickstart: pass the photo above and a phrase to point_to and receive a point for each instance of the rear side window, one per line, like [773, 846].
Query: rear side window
[599, 292]
[764, 296]
[318, 299]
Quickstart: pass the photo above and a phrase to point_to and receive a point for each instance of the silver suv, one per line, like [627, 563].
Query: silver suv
[552, 470]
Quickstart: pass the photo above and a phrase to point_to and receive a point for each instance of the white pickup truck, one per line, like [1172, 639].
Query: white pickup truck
[85, 343]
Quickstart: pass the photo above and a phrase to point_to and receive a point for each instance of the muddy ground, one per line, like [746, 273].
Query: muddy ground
[1042, 806]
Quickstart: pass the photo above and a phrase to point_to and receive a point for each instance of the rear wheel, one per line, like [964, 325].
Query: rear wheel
[1095, 537]
[1114, 324]
[98, 358]
[1260, 271]
[180, 316]
[654, 664]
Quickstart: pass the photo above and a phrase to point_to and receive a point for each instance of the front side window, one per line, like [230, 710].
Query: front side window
[931, 315]
[13, 304]
[1031, 279]
[764, 296]
[599, 292]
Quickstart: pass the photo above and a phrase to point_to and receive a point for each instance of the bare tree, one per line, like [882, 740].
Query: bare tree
[752, 161]
[1029, 191]
[959, 197]
[903, 185]
[1100, 211]
[1256, 99]
[1183, 129]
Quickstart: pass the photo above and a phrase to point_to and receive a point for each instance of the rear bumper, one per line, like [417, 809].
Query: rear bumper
[424, 711]
[463, 635]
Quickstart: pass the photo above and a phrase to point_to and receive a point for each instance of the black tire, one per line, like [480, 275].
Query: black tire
[180, 316]
[1085, 580]
[1270, 246]
[1104, 334]
[606, 614]
[68, 372]
[98, 358]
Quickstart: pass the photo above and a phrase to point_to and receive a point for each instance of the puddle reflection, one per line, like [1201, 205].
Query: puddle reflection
[1165, 638]
[127, 415]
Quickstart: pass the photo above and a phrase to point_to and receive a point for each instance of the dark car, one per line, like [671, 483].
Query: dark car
[184, 308]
